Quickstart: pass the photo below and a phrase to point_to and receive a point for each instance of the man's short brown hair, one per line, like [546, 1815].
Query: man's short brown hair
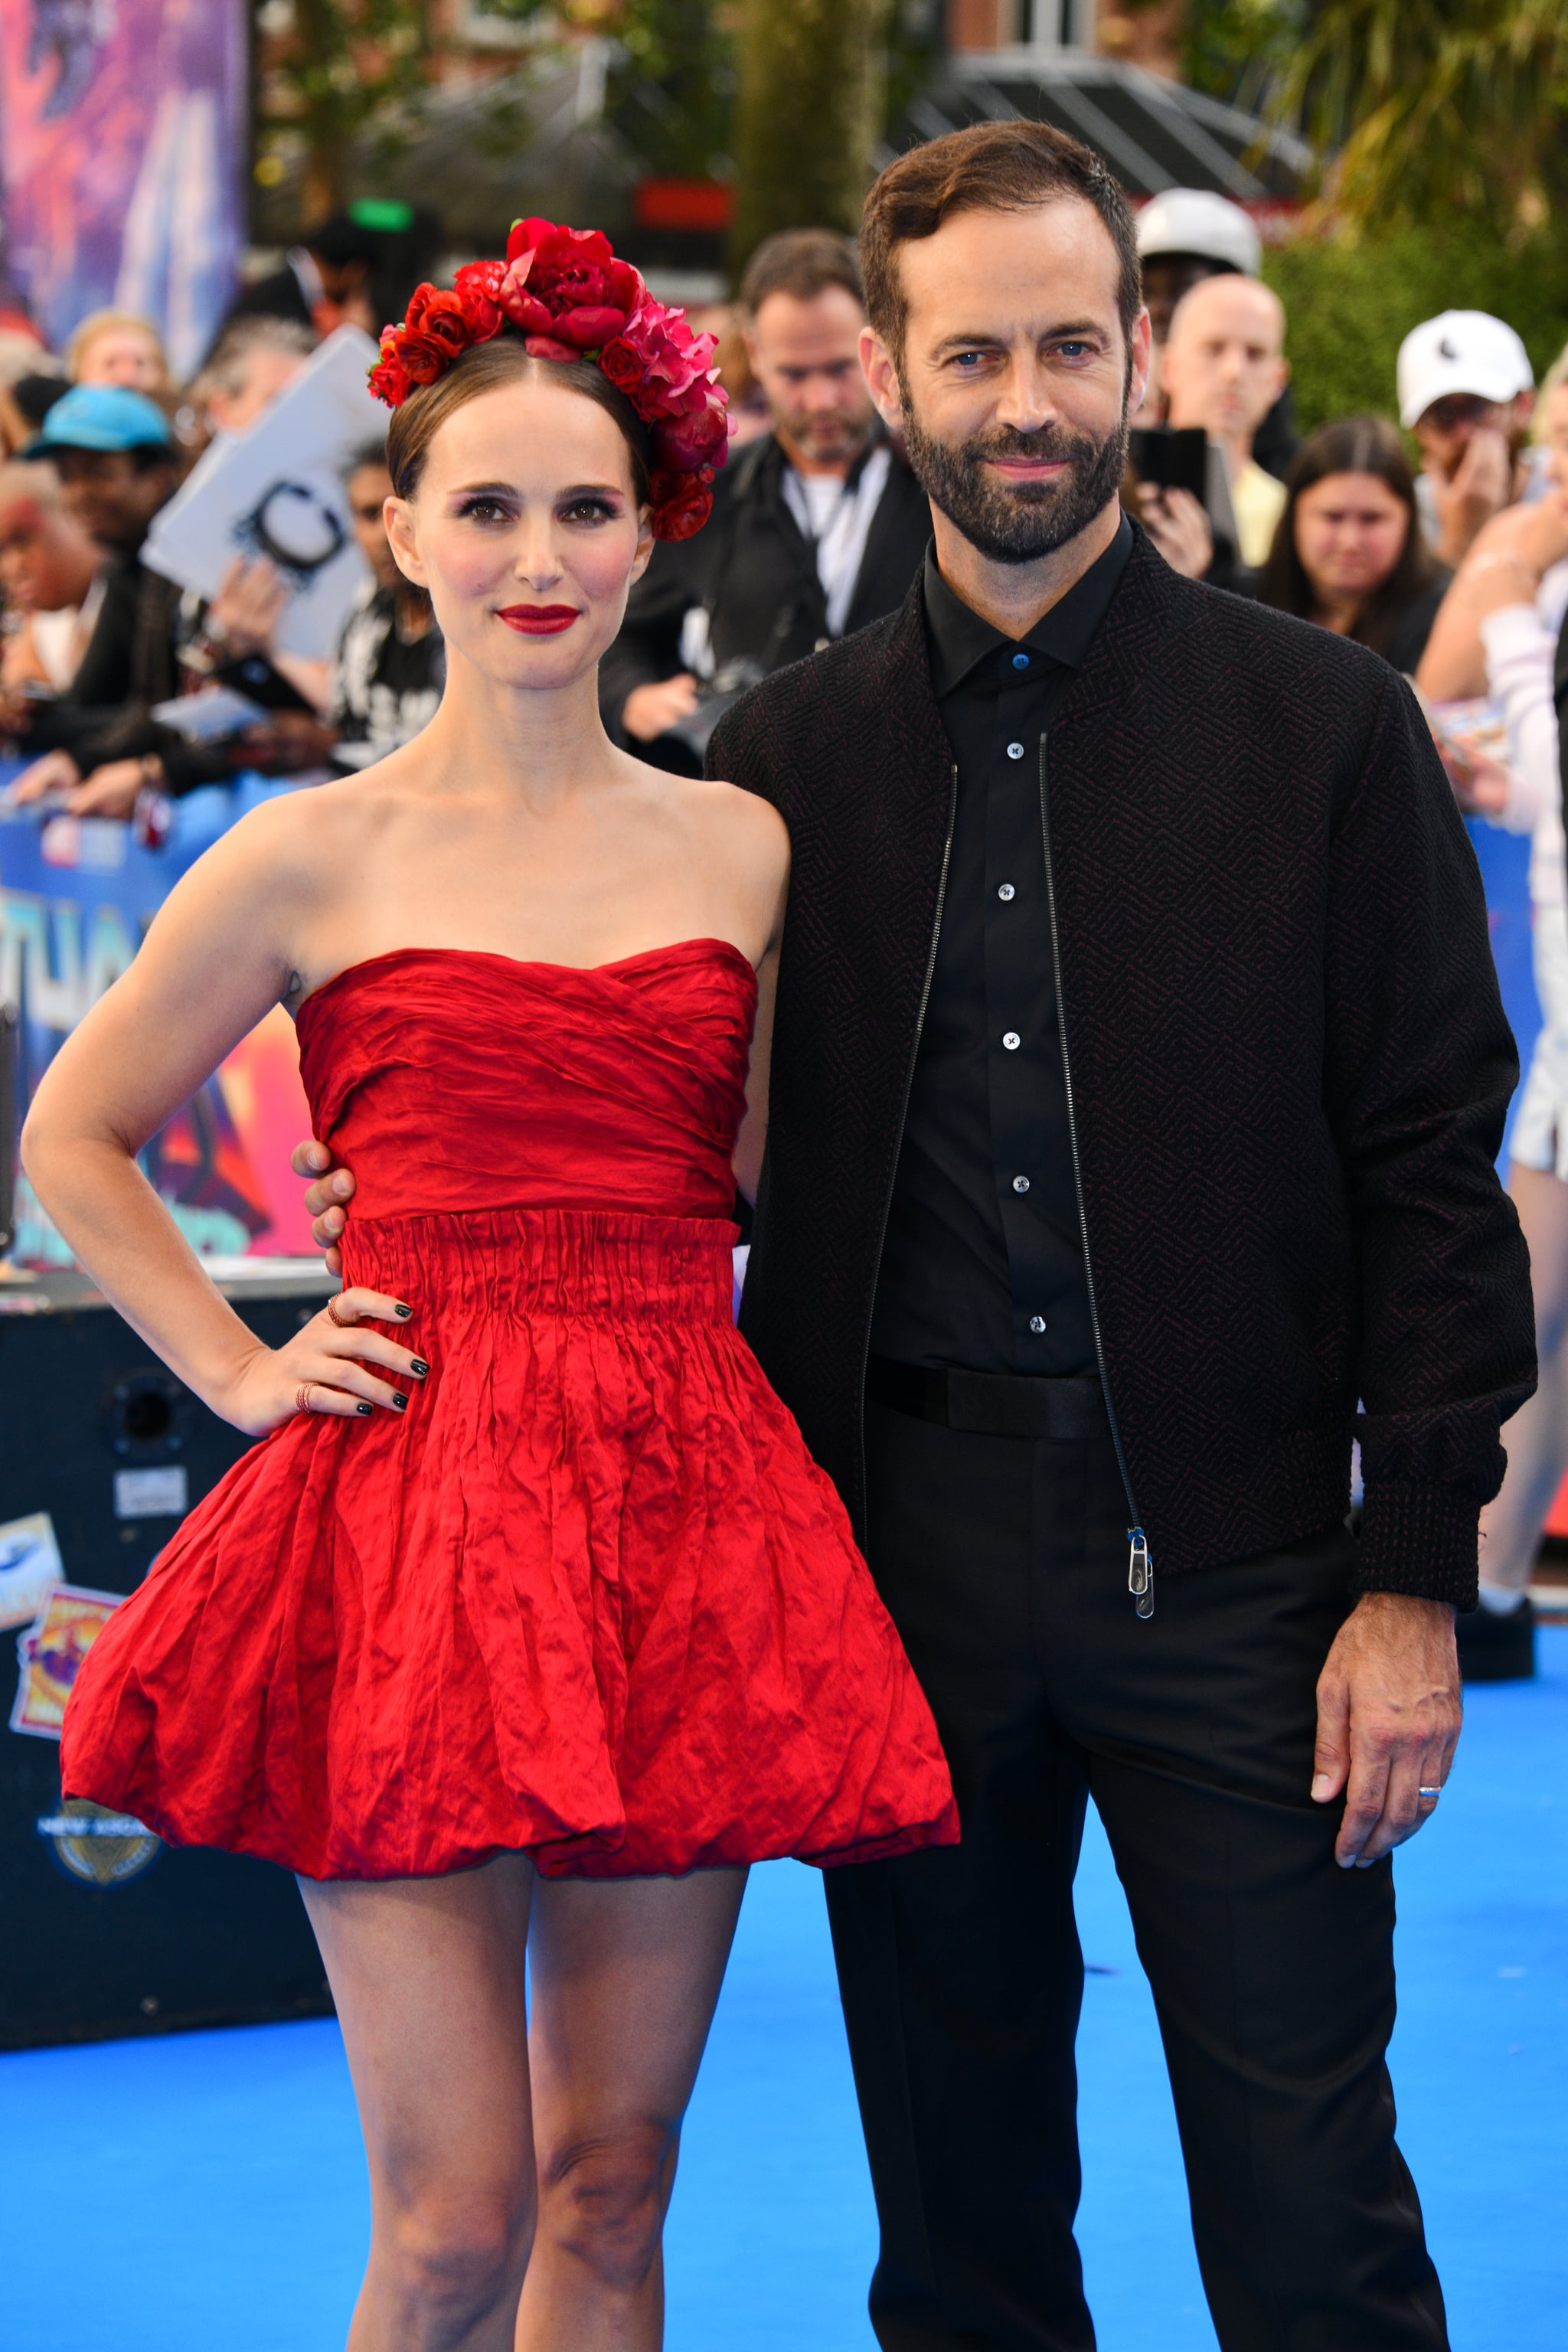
[990, 167]
[803, 262]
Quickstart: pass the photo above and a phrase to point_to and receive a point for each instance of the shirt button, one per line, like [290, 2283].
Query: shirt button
[1020, 661]
[1037, 1323]
[1014, 750]
[1020, 1184]
[1006, 891]
[1011, 1039]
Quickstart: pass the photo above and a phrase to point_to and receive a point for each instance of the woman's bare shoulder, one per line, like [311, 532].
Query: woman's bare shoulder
[299, 836]
[752, 825]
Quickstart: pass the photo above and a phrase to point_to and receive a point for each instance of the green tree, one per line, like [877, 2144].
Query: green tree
[808, 111]
[1418, 109]
[672, 85]
[1432, 107]
[336, 67]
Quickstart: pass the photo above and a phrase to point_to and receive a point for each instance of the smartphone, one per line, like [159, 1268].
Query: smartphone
[1171, 459]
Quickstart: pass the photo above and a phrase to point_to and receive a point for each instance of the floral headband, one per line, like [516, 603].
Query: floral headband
[572, 299]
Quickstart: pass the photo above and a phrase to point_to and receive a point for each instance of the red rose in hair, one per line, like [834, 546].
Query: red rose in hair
[680, 504]
[476, 287]
[622, 363]
[423, 357]
[549, 346]
[442, 317]
[389, 378]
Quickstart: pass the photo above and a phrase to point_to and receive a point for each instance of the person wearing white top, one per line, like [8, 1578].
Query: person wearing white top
[1496, 634]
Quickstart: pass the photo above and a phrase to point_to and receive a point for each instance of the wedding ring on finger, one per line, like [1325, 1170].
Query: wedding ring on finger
[344, 1322]
[1433, 1793]
[302, 1397]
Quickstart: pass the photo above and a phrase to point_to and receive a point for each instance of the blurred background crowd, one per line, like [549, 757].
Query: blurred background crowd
[1350, 219]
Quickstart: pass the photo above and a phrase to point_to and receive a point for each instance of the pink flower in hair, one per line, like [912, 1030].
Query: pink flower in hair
[700, 437]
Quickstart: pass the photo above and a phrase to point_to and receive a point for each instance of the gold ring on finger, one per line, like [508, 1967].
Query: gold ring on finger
[344, 1322]
[302, 1397]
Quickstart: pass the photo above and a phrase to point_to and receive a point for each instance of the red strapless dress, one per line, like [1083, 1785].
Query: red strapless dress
[588, 1597]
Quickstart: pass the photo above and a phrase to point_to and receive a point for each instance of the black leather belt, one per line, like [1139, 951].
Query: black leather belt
[999, 1405]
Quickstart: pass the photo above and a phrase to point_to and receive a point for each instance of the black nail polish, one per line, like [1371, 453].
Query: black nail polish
[400, 1402]
[404, 1311]
[361, 1408]
[419, 1368]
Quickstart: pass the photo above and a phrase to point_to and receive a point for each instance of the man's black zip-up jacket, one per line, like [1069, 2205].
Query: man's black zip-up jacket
[1287, 1058]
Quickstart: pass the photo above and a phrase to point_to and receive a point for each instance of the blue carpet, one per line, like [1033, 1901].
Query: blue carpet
[169, 2195]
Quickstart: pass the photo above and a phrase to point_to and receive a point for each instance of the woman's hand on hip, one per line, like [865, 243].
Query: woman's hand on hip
[326, 1368]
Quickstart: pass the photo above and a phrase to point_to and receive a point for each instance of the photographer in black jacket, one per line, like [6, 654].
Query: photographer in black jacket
[818, 526]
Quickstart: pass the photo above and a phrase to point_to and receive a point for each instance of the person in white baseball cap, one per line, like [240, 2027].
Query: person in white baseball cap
[1185, 235]
[1466, 389]
[1188, 233]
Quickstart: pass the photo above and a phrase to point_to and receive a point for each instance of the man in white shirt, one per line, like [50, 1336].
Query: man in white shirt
[1224, 368]
[818, 526]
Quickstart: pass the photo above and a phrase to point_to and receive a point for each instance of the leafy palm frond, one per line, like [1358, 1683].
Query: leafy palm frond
[1428, 107]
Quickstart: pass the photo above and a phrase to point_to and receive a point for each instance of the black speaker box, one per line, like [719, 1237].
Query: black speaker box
[107, 1932]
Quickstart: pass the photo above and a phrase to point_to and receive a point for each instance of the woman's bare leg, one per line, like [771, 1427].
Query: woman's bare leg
[1537, 1436]
[625, 1976]
[428, 1978]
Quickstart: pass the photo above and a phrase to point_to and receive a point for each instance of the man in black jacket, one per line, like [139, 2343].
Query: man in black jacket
[1137, 1076]
[818, 526]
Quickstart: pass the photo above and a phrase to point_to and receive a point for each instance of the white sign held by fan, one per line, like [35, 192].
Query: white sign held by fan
[275, 490]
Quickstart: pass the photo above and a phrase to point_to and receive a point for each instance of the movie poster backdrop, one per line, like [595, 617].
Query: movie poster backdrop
[75, 896]
[122, 140]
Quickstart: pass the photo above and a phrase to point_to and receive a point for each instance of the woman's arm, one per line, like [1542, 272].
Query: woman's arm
[1519, 657]
[216, 958]
[752, 1140]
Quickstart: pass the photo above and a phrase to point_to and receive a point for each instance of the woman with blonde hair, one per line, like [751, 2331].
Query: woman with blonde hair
[118, 347]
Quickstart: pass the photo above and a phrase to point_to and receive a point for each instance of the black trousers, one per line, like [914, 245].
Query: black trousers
[1003, 1563]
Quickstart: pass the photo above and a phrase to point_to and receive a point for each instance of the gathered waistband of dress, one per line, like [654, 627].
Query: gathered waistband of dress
[596, 1261]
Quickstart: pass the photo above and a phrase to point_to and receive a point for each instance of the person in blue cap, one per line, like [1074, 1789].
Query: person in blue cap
[114, 453]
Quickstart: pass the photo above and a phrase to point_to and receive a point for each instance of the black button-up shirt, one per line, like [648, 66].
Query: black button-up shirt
[983, 1263]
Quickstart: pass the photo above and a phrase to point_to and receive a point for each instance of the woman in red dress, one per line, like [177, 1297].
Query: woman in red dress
[530, 1623]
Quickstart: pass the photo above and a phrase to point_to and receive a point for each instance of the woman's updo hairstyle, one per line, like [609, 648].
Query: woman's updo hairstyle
[486, 367]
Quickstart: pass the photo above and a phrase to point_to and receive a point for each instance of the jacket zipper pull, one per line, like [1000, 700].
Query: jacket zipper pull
[1140, 1572]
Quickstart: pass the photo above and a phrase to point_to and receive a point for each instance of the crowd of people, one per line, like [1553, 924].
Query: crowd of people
[98, 440]
[1453, 567]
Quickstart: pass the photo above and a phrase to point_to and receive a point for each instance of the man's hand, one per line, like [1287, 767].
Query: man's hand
[1179, 527]
[1481, 783]
[649, 709]
[326, 1199]
[1480, 487]
[247, 607]
[1388, 1721]
[112, 790]
[57, 772]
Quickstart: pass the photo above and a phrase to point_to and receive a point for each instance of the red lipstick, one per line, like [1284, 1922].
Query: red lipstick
[537, 620]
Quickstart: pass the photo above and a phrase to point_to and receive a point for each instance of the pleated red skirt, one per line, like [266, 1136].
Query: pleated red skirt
[588, 1598]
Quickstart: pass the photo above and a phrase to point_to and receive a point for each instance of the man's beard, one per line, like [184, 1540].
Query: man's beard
[1020, 521]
